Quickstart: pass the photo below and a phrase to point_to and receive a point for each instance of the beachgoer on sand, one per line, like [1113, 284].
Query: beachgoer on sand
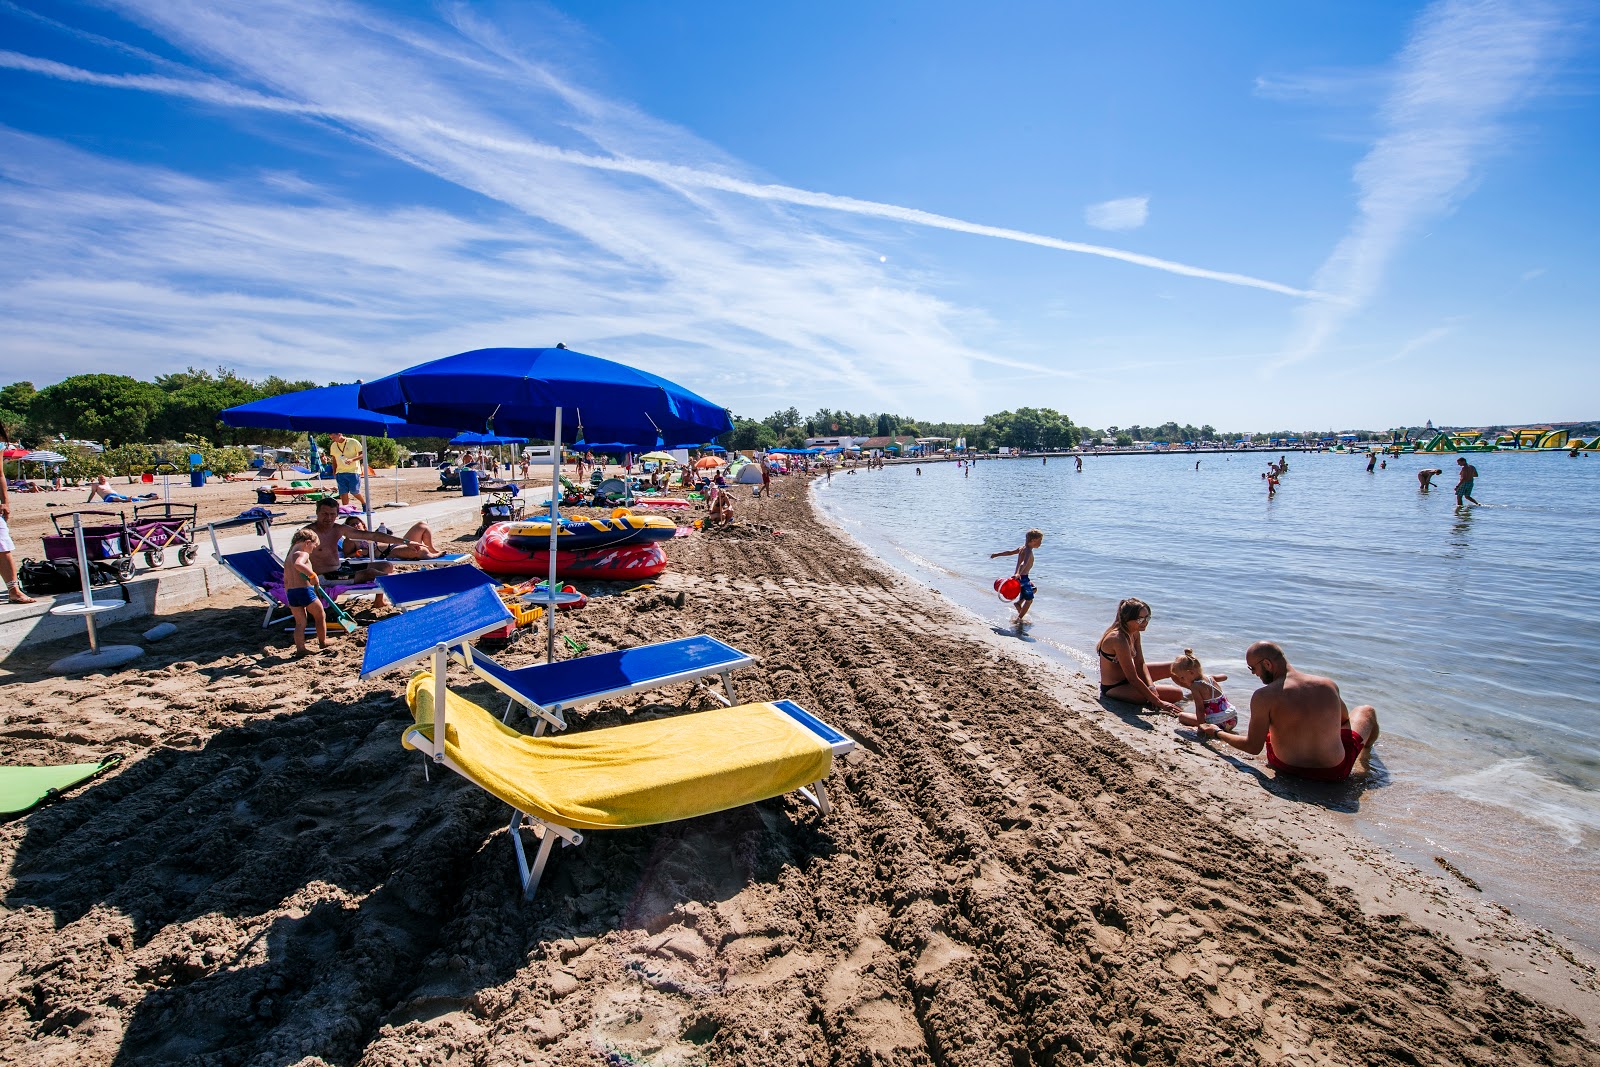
[8, 567]
[300, 589]
[1124, 674]
[1469, 475]
[1030, 541]
[325, 559]
[1302, 721]
[348, 458]
[1210, 702]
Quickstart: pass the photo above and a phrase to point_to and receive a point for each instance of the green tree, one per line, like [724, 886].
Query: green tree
[194, 401]
[1124, 440]
[17, 397]
[98, 407]
[748, 434]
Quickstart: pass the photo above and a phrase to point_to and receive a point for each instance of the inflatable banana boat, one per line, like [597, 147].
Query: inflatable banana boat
[573, 535]
[499, 553]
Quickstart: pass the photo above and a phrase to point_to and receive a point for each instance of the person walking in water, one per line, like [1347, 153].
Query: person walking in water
[1030, 541]
[1079, 460]
[1469, 475]
[1426, 476]
[1372, 461]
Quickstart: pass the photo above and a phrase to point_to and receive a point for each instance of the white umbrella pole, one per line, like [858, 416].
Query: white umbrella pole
[88, 588]
[366, 485]
[555, 517]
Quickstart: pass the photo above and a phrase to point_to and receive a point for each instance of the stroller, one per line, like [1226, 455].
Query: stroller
[157, 527]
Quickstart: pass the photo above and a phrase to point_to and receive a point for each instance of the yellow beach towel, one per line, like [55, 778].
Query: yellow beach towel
[637, 774]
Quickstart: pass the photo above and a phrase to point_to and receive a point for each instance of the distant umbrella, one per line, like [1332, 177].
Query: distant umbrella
[44, 457]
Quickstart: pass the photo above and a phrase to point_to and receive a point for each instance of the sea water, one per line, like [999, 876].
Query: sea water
[1475, 632]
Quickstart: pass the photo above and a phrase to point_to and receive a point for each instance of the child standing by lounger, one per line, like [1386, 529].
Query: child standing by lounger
[1030, 541]
[1210, 703]
[300, 589]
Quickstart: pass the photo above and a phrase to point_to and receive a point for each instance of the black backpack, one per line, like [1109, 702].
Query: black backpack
[51, 576]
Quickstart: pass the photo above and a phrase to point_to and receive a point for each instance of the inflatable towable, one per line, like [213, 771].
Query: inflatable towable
[501, 554]
[572, 535]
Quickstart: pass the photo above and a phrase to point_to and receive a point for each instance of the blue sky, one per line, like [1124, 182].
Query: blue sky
[1257, 216]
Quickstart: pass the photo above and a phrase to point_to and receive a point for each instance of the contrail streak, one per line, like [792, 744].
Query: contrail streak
[671, 174]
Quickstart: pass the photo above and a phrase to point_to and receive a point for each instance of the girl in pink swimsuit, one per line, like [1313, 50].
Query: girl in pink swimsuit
[1210, 703]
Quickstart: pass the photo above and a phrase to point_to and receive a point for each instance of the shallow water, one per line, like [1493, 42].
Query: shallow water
[1474, 633]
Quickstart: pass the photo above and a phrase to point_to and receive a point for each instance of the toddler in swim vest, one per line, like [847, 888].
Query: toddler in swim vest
[1210, 703]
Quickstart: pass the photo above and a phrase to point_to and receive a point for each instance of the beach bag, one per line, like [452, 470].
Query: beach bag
[47, 577]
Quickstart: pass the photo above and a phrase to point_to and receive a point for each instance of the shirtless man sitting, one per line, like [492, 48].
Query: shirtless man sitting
[325, 558]
[1302, 722]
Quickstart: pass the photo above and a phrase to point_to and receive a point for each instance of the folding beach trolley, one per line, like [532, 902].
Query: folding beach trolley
[105, 541]
[157, 527]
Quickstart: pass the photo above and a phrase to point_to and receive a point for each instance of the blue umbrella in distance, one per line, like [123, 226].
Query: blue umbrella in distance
[331, 409]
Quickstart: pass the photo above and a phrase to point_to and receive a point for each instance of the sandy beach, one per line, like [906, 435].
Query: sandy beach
[1012, 873]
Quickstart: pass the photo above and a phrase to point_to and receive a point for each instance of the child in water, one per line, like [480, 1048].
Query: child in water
[1210, 704]
[1030, 541]
[300, 589]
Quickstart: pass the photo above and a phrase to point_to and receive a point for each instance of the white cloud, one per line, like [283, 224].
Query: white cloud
[1468, 63]
[395, 120]
[1128, 213]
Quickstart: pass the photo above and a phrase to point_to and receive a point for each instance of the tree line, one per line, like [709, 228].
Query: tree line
[1025, 428]
[116, 410]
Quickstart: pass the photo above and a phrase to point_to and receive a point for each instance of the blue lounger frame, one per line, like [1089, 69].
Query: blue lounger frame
[548, 690]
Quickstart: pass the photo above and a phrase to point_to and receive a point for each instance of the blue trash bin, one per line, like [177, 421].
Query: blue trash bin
[469, 482]
[197, 479]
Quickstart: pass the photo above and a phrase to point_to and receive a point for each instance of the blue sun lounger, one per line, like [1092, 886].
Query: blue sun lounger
[548, 690]
[638, 774]
[410, 588]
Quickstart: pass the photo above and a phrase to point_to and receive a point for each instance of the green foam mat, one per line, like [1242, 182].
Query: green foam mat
[22, 788]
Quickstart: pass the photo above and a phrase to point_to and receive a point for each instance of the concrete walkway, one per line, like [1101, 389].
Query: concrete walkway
[154, 591]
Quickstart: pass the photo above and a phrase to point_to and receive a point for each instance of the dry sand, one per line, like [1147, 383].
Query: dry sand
[1011, 874]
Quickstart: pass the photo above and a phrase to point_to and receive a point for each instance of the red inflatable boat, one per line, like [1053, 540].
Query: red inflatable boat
[500, 554]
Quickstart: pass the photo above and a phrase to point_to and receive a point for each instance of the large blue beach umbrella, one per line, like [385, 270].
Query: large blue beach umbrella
[333, 408]
[530, 391]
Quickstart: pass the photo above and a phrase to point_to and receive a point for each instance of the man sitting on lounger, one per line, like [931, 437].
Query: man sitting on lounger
[325, 559]
[1302, 721]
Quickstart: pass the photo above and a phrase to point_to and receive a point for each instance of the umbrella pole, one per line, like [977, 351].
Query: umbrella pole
[366, 486]
[555, 517]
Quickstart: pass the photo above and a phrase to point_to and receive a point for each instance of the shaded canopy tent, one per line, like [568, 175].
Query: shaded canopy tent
[331, 409]
[463, 439]
[485, 440]
[531, 391]
[712, 448]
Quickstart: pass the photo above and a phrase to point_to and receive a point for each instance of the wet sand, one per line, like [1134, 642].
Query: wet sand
[1011, 873]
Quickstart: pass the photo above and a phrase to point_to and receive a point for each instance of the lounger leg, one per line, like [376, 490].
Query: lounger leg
[727, 683]
[547, 839]
[506, 717]
[817, 793]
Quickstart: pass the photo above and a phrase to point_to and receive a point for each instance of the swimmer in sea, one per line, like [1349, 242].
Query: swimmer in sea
[1469, 474]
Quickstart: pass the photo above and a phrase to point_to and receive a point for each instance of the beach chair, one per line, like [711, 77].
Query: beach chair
[637, 774]
[414, 587]
[261, 571]
[549, 690]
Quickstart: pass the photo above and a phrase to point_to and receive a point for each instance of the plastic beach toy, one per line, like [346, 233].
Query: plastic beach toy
[1008, 588]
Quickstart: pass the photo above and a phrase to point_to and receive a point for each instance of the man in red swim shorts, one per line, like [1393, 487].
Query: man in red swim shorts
[1302, 722]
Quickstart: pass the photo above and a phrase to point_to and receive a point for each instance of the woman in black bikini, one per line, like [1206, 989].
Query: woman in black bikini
[1124, 675]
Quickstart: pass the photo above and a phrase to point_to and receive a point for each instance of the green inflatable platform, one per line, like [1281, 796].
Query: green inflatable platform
[22, 788]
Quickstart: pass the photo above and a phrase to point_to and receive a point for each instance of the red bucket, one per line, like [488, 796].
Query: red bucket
[1008, 588]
